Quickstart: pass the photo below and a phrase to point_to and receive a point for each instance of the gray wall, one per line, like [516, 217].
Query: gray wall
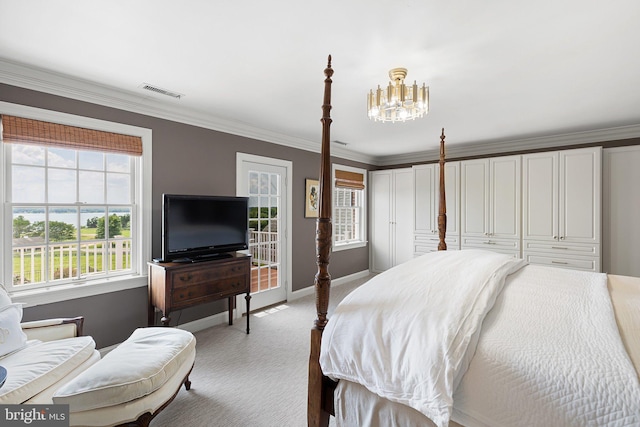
[191, 160]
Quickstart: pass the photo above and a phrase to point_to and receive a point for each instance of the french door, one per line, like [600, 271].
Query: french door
[264, 180]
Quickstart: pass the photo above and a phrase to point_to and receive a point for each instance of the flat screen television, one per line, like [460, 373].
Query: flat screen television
[197, 228]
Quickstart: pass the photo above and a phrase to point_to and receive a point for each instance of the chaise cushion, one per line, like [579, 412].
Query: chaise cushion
[40, 364]
[136, 368]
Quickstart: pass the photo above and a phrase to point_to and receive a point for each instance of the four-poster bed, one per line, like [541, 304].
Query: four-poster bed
[374, 365]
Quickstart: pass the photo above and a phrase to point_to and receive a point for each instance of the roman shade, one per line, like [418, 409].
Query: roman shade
[346, 179]
[29, 131]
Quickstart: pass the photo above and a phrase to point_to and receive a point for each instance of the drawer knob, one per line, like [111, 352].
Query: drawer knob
[186, 278]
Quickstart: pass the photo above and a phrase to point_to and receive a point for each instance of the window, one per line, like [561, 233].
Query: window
[349, 207]
[74, 204]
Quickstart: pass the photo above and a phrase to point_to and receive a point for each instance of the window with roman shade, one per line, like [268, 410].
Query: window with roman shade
[72, 201]
[349, 207]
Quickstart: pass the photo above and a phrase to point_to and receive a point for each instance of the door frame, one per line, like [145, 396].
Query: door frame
[288, 165]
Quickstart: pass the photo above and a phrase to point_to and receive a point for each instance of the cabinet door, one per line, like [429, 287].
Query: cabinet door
[425, 199]
[452, 190]
[474, 197]
[504, 204]
[540, 196]
[580, 180]
[402, 216]
[380, 216]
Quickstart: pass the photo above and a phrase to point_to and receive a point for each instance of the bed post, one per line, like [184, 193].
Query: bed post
[442, 213]
[317, 413]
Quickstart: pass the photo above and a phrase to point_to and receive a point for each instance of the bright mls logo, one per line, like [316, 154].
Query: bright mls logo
[35, 415]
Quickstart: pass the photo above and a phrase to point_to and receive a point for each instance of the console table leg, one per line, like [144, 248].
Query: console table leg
[231, 307]
[165, 320]
[247, 298]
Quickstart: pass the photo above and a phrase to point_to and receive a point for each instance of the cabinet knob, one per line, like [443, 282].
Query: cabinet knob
[555, 237]
[561, 237]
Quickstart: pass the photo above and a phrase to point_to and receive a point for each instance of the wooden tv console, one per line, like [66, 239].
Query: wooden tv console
[174, 286]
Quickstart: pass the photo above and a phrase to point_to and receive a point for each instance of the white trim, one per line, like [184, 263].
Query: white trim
[40, 79]
[43, 80]
[54, 294]
[288, 165]
[493, 148]
[310, 290]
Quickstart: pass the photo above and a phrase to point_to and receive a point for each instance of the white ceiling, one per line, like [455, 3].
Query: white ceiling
[498, 70]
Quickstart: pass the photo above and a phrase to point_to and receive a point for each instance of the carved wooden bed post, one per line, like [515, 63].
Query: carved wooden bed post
[317, 414]
[442, 212]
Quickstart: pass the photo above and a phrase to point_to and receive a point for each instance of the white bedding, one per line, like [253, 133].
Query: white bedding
[384, 334]
[570, 368]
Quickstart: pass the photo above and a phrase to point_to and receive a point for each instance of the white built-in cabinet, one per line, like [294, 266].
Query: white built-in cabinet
[491, 204]
[426, 207]
[391, 217]
[562, 208]
[544, 207]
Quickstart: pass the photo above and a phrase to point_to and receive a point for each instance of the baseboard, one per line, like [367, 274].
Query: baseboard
[309, 290]
[223, 317]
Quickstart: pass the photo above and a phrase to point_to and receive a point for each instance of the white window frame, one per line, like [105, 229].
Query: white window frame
[363, 212]
[143, 213]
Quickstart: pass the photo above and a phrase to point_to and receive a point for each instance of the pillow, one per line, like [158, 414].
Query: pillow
[12, 337]
[4, 297]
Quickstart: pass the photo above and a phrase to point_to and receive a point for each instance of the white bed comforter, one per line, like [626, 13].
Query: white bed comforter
[570, 368]
[385, 334]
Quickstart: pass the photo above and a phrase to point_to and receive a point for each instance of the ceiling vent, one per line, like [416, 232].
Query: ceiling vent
[156, 89]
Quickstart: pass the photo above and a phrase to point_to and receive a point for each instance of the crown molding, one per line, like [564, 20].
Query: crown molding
[42, 80]
[491, 148]
[39, 79]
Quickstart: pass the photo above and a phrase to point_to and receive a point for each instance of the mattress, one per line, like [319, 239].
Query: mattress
[355, 405]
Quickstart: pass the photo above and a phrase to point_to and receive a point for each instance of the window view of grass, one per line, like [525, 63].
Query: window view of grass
[64, 248]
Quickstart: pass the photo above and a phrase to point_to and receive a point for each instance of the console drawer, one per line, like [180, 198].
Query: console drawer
[187, 296]
[194, 275]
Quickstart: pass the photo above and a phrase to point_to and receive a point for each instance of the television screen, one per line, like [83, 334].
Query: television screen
[199, 227]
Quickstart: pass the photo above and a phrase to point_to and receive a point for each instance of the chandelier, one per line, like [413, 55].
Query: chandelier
[399, 102]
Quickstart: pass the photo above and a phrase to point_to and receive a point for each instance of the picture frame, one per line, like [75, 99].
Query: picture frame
[311, 198]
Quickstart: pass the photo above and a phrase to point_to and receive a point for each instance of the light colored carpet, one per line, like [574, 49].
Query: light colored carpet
[253, 380]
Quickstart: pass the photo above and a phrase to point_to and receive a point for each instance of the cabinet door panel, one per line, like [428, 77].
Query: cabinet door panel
[475, 199]
[380, 214]
[505, 197]
[540, 196]
[403, 215]
[425, 198]
[452, 190]
[580, 195]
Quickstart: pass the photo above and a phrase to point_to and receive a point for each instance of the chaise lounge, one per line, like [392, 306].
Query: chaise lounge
[49, 361]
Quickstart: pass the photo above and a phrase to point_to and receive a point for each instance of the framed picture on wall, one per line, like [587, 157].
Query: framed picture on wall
[311, 200]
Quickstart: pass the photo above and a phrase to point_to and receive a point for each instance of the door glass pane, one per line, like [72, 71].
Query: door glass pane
[264, 201]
